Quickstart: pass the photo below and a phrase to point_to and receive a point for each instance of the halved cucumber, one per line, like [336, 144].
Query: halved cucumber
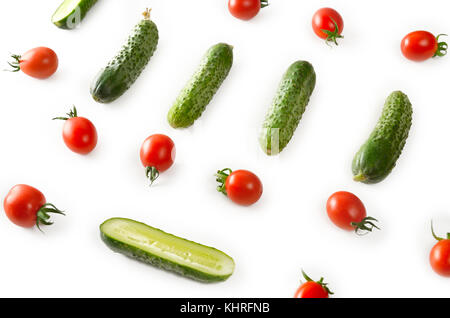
[153, 246]
[70, 13]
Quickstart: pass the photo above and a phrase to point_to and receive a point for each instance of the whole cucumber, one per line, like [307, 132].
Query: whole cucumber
[198, 92]
[287, 107]
[378, 155]
[123, 70]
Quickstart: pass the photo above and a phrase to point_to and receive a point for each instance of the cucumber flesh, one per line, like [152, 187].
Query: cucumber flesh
[155, 247]
[70, 13]
[65, 9]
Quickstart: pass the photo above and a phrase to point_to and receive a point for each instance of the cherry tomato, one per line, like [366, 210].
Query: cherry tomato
[312, 289]
[246, 9]
[422, 45]
[26, 206]
[348, 212]
[328, 24]
[40, 62]
[79, 134]
[440, 255]
[241, 186]
[157, 155]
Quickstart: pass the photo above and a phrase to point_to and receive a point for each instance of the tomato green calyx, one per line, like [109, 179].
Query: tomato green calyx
[437, 237]
[221, 177]
[320, 282]
[442, 47]
[71, 114]
[43, 217]
[15, 64]
[332, 36]
[367, 224]
[264, 3]
[152, 174]
[146, 14]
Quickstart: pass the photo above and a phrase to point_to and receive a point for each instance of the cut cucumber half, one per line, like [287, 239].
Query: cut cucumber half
[70, 13]
[153, 246]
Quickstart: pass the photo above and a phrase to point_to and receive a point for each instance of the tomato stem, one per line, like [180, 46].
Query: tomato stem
[320, 282]
[332, 36]
[152, 174]
[42, 216]
[264, 3]
[221, 177]
[442, 47]
[15, 64]
[437, 237]
[71, 114]
[365, 225]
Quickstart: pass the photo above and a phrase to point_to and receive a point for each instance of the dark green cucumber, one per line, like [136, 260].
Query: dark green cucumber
[155, 247]
[123, 70]
[287, 107]
[199, 91]
[378, 155]
[70, 13]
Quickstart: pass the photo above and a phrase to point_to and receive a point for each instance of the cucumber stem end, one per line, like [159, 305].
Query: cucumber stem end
[359, 178]
[146, 14]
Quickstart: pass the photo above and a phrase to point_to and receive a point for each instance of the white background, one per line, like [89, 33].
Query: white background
[288, 228]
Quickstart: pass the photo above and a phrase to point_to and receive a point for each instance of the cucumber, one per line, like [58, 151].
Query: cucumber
[198, 92]
[287, 107]
[70, 13]
[123, 70]
[153, 246]
[378, 155]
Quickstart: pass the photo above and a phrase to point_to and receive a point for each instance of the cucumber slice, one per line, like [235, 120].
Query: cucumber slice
[153, 246]
[70, 13]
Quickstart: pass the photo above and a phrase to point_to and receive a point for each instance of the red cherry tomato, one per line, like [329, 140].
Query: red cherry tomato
[26, 206]
[157, 155]
[246, 9]
[79, 133]
[422, 45]
[347, 211]
[312, 289]
[241, 186]
[40, 62]
[440, 255]
[328, 24]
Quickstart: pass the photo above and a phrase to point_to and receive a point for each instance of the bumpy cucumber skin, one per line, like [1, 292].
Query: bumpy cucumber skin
[67, 24]
[287, 107]
[198, 92]
[123, 70]
[378, 155]
[145, 257]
